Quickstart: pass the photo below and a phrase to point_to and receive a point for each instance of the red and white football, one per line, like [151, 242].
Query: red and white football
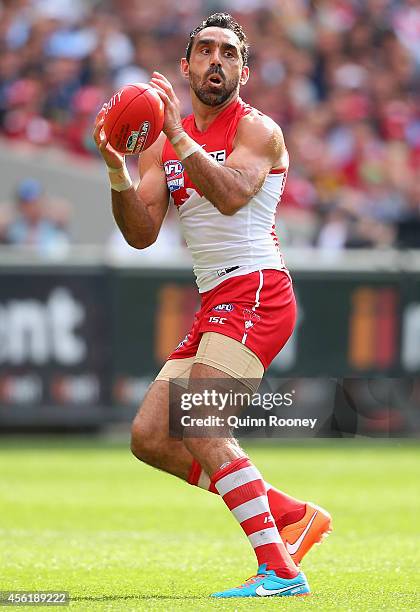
[133, 118]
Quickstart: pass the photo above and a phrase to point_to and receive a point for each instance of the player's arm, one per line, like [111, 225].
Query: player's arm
[258, 147]
[138, 213]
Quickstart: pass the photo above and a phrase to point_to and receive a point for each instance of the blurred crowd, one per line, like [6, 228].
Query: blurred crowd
[35, 220]
[341, 77]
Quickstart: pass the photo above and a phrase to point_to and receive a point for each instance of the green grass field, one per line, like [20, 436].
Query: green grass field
[86, 517]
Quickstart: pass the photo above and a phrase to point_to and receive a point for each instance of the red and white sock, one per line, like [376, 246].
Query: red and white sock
[198, 478]
[284, 508]
[243, 490]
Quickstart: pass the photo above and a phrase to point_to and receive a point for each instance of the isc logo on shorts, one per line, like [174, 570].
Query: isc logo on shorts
[174, 171]
[224, 307]
[220, 320]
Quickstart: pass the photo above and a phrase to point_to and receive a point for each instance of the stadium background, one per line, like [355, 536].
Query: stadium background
[86, 321]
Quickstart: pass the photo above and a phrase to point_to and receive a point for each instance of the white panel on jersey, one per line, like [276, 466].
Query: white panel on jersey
[244, 239]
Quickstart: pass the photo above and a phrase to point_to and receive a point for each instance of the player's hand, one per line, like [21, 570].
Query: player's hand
[172, 124]
[112, 158]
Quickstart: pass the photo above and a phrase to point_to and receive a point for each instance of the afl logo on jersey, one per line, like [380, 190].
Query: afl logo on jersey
[224, 307]
[174, 171]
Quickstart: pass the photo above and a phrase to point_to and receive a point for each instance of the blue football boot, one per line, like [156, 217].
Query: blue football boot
[267, 584]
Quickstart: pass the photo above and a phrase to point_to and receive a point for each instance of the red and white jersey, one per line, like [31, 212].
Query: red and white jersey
[224, 246]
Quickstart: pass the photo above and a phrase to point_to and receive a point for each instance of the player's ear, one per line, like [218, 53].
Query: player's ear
[185, 68]
[244, 75]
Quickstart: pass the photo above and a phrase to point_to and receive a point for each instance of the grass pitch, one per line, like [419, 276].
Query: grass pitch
[87, 518]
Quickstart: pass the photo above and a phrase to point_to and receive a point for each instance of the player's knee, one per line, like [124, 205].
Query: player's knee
[144, 445]
[195, 445]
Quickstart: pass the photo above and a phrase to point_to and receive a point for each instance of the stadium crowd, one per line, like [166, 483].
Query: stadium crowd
[341, 77]
[35, 220]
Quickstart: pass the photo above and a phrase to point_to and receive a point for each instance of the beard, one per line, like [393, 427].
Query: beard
[209, 94]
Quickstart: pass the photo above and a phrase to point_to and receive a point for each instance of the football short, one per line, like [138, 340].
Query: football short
[257, 309]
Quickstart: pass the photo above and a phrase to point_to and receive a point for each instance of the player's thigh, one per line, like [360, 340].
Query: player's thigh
[224, 374]
[225, 357]
[152, 416]
[228, 368]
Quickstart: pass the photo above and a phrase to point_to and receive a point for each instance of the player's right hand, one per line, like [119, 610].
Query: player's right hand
[112, 158]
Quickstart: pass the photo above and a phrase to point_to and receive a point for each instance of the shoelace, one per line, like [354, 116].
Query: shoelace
[251, 580]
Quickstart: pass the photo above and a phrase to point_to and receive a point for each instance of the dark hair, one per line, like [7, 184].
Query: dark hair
[221, 20]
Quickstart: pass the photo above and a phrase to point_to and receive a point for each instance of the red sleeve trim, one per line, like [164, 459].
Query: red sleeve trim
[277, 170]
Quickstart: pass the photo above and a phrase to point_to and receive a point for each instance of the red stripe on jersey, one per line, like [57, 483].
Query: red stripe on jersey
[275, 237]
[277, 170]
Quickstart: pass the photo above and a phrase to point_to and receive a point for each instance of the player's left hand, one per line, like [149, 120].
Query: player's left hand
[172, 124]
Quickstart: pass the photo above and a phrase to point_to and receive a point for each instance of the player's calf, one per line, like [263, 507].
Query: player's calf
[150, 441]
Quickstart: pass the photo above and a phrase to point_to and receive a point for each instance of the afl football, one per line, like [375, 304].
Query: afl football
[133, 118]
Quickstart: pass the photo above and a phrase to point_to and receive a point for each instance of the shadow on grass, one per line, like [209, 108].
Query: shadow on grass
[139, 597]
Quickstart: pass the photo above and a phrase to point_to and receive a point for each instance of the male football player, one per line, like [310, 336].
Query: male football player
[224, 167]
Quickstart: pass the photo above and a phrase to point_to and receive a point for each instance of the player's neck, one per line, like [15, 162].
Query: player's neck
[204, 115]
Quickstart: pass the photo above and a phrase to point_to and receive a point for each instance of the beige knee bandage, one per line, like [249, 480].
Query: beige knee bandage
[220, 352]
[231, 357]
[179, 369]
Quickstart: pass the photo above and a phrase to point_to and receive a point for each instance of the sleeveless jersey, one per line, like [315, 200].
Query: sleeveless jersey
[224, 246]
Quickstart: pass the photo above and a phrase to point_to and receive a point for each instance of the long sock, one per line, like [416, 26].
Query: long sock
[243, 490]
[284, 508]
